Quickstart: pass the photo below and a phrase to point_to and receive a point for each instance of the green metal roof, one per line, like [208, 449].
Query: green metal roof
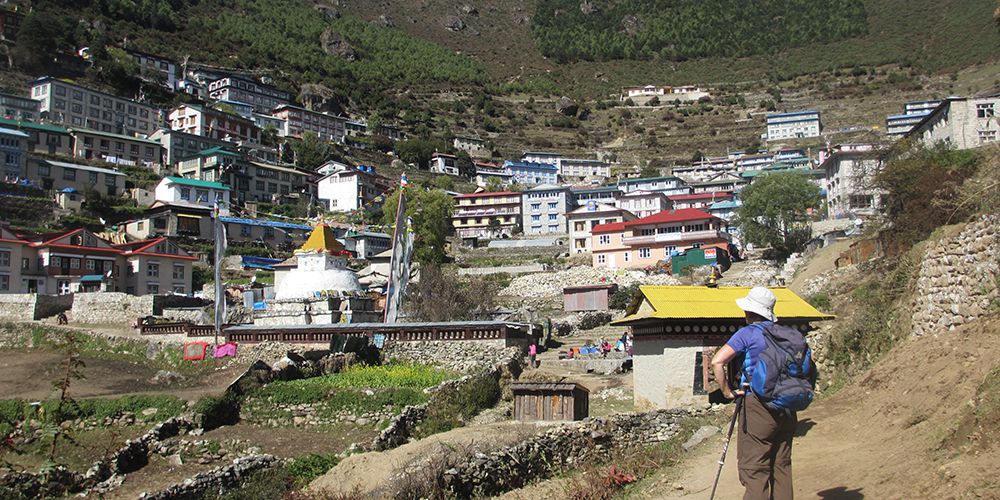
[116, 136]
[217, 150]
[18, 124]
[196, 183]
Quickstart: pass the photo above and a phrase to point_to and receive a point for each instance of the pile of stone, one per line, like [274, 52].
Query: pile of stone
[458, 356]
[217, 480]
[755, 273]
[564, 446]
[547, 288]
[573, 322]
[268, 351]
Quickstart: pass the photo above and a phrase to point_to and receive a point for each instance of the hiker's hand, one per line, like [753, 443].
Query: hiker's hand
[739, 392]
[728, 393]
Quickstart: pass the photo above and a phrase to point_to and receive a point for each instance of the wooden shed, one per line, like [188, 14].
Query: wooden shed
[550, 401]
[587, 297]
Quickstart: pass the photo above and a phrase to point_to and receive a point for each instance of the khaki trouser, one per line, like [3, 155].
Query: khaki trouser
[765, 451]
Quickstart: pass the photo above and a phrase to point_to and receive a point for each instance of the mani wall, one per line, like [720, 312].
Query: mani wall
[959, 278]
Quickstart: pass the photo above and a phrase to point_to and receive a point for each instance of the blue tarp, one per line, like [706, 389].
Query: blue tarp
[92, 278]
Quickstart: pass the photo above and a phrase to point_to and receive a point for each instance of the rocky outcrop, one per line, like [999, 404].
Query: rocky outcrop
[336, 45]
[588, 7]
[453, 23]
[567, 106]
[958, 278]
[632, 25]
[385, 21]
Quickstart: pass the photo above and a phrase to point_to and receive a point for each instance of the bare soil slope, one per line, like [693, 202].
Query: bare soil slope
[920, 424]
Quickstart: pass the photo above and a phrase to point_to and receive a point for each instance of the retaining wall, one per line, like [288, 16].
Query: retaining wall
[30, 306]
[959, 278]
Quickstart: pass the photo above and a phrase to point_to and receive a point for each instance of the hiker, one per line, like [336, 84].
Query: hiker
[532, 352]
[765, 436]
[61, 319]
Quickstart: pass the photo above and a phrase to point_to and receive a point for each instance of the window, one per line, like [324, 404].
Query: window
[92, 177]
[984, 110]
[160, 223]
[110, 180]
[272, 187]
[178, 288]
[44, 170]
[604, 239]
[185, 193]
[4, 282]
[120, 147]
[601, 259]
[5, 259]
[245, 230]
[105, 144]
[536, 206]
[268, 233]
[553, 205]
[259, 185]
[202, 195]
[647, 232]
[178, 272]
[69, 174]
[74, 263]
[553, 216]
[153, 288]
[153, 270]
[139, 225]
[536, 218]
[628, 256]
[90, 264]
[25, 263]
[644, 253]
[987, 135]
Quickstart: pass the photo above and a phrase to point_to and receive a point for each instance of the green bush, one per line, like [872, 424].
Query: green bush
[305, 469]
[623, 297]
[821, 301]
[452, 408]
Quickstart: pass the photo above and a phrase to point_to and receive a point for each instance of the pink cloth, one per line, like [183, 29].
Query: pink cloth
[532, 350]
[227, 349]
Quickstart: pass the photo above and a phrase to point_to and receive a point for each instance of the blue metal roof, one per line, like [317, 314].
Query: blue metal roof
[793, 113]
[918, 116]
[265, 223]
[529, 165]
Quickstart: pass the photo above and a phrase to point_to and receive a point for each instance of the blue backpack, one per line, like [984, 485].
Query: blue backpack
[784, 377]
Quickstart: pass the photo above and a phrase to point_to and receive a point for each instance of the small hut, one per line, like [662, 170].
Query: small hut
[550, 401]
[588, 297]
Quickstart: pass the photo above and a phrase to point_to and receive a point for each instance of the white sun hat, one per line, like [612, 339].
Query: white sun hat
[760, 301]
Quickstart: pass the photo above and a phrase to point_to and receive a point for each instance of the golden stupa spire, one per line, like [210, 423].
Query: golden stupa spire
[322, 241]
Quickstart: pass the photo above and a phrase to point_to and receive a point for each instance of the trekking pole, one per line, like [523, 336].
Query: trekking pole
[725, 447]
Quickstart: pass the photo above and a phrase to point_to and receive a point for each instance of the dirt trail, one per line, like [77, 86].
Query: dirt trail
[891, 434]
[368, 475]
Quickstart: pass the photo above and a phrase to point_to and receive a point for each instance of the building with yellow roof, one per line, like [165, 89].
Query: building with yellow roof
[676, 331]
[321, 267]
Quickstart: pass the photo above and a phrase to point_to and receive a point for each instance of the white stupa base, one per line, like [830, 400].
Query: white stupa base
[299, 284]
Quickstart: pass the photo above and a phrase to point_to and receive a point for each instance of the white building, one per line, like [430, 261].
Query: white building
[264, 98]
[668, 185]
[159, 70]
[202, 193]
[366, 244]
[297, 121]
[541, 157]
[543, 209]
[345, 188]
[796, 125]
[588, 216]
[15, 107]
[644, 203]
[209, 122]
[487, 171]
[665, 93]
[579, 168]
[962, 122]
[73, 105]
[850, 171]
[442, 163]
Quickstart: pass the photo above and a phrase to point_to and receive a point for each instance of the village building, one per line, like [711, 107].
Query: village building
[544, 209]
[584, 169]
[176, 145]
[264, 98]
[725, 210]
[487, 215]
[364, 244]
[532, 174]
[344, 188]
[10, 22]
[15, 107]
[216, 164]
[155, 69]
[115, 148]
[545, 157]
[795, 125]
[961, 122]
[321, 265]
[607, 195]
[700, 200]
[43, 138]
[72, 105]
[644, 203]
[584, 219]
[13, 153]
[172, 219]
[487, 171]
[443, 163]
[59, 175]
[645, 242]
[206, 194]
[664, 93]
[272, 183]
[849, 181]
[272, 233]
[297, 121]
[212, 123]
[676, 331]
[153, 267]
[724, 181]
[475, 146]
[668, 185]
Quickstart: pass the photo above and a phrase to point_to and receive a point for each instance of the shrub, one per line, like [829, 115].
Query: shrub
[215, 412]
[623, 297]
[305, 469]
[450, 409]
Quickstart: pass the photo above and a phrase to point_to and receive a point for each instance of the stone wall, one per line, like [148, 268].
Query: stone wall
[194, 315]
[567, 445]
[462, 356]
[217, 480]
[109, 307]
[30, 306]
[959, 278]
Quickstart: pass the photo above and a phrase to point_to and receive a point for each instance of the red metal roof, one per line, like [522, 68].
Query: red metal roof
[682, 215]
[715, 195]
[479, 195]
[608, 228]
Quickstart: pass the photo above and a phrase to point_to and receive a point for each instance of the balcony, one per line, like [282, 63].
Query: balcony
[692, 236]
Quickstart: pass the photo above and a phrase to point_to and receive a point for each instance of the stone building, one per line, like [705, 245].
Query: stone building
[850, 171]
[487, 215]
[13, 153]
[544, 209]
[676, 331]
[42, 137]
[73, 105]
[59, 175]
[962, 122]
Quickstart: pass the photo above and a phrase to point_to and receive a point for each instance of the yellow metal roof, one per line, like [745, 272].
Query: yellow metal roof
[700, 302]
[322, 240]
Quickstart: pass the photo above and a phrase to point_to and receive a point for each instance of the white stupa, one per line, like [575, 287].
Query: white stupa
[321, 266]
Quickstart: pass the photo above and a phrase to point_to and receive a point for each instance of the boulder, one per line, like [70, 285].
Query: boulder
[385, 21]
[336, 45]
[566, 106]
[587, 7]
[453, 23]
[632, 25]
